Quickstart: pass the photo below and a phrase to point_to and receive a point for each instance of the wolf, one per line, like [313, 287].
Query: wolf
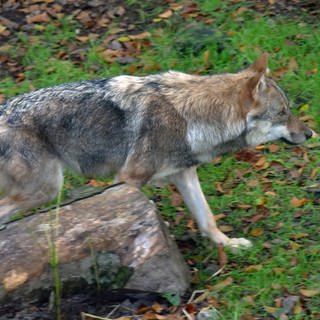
[143, 129]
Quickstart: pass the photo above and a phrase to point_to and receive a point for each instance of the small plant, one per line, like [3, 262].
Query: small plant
[52, 235]
[172, 298]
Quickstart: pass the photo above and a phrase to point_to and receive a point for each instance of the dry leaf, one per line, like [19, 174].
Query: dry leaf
[95, 183]
[279, 270]
[294, 245]
[226, 228]
[2, 28]
[219, 216]
[157, 307]
[219, 286]
[249, 300]
[309, 292]
[206, 58]
[300, 235]
[176, 199]
[39, 18]
[222, 256]
[297, 203]
[273, 148]
[253, 268]
[270, 310]
[262, 163]
[257, 232]
[165, 15]
[139, 36]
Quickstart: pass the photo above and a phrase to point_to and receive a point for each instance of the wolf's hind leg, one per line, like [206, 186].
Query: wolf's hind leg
[188, 185]
[29, 185]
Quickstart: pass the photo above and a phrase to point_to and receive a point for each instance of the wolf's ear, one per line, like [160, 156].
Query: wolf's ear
[261, 64]
[257, 83]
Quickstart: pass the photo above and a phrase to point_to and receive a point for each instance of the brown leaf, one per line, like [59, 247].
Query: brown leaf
[165, 15]
[95, 183]
[150, 315]
[158, 308]
[140, 36]
[226, 228]
[279, 270]
[300, 235]
[257, 232]
[273, 148]
[221, 285]
[297, 203]
[293, 64]
[270, 310]
[38, 18]
[247, 156]
[218, 186]
[176, 199]
[309, 292]
[206, 58]
[253, 268]
[294, 246]
[249, 300]
[222, 256]
[262, 163]
[219, 216]
[2, 98]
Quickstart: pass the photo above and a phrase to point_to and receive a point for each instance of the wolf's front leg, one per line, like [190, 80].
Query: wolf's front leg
[188, 185]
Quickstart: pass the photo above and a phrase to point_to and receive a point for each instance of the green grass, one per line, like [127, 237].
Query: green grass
[294, 47]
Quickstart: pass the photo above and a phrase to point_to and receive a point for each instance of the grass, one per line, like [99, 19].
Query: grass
[286, 251]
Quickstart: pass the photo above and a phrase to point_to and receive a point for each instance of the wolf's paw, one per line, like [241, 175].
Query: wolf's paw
[237, 244]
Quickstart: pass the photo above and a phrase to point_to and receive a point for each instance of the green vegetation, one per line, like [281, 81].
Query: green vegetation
[269, 195]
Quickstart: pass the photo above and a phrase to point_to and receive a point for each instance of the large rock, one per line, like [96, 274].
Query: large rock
[112, 240]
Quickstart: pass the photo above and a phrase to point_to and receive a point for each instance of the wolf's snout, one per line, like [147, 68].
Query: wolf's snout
[309, 133]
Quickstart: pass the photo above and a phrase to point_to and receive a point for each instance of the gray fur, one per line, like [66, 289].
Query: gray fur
[141, 129]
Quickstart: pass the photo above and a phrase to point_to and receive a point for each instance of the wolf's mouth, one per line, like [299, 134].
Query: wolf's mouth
[289, 142]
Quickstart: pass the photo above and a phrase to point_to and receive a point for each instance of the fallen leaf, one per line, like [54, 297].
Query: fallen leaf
[253, 268]
[206, 58]
[273, 148]
[219, 216]
[176, 199]
[309, 292]
[304, 107]
[221, 285]
[139, 36]
[279, 270]
[150, 315]
[226, 228]
[270, 310]
[257, 232]
[300, 235]
[297, 203]
[262, 163]
[222, 256]
[2, 98]
[157, 307]
[39, 18]
[2, 28]
[294, 245]
[249, 300]
[165, 15]
[95, 183]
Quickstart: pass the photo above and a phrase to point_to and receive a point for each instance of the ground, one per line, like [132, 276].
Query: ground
[270, 194]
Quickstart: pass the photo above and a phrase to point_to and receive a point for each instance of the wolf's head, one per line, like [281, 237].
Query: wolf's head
[266, 108]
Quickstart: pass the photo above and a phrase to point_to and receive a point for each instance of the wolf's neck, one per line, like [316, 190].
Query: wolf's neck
[210, 140]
